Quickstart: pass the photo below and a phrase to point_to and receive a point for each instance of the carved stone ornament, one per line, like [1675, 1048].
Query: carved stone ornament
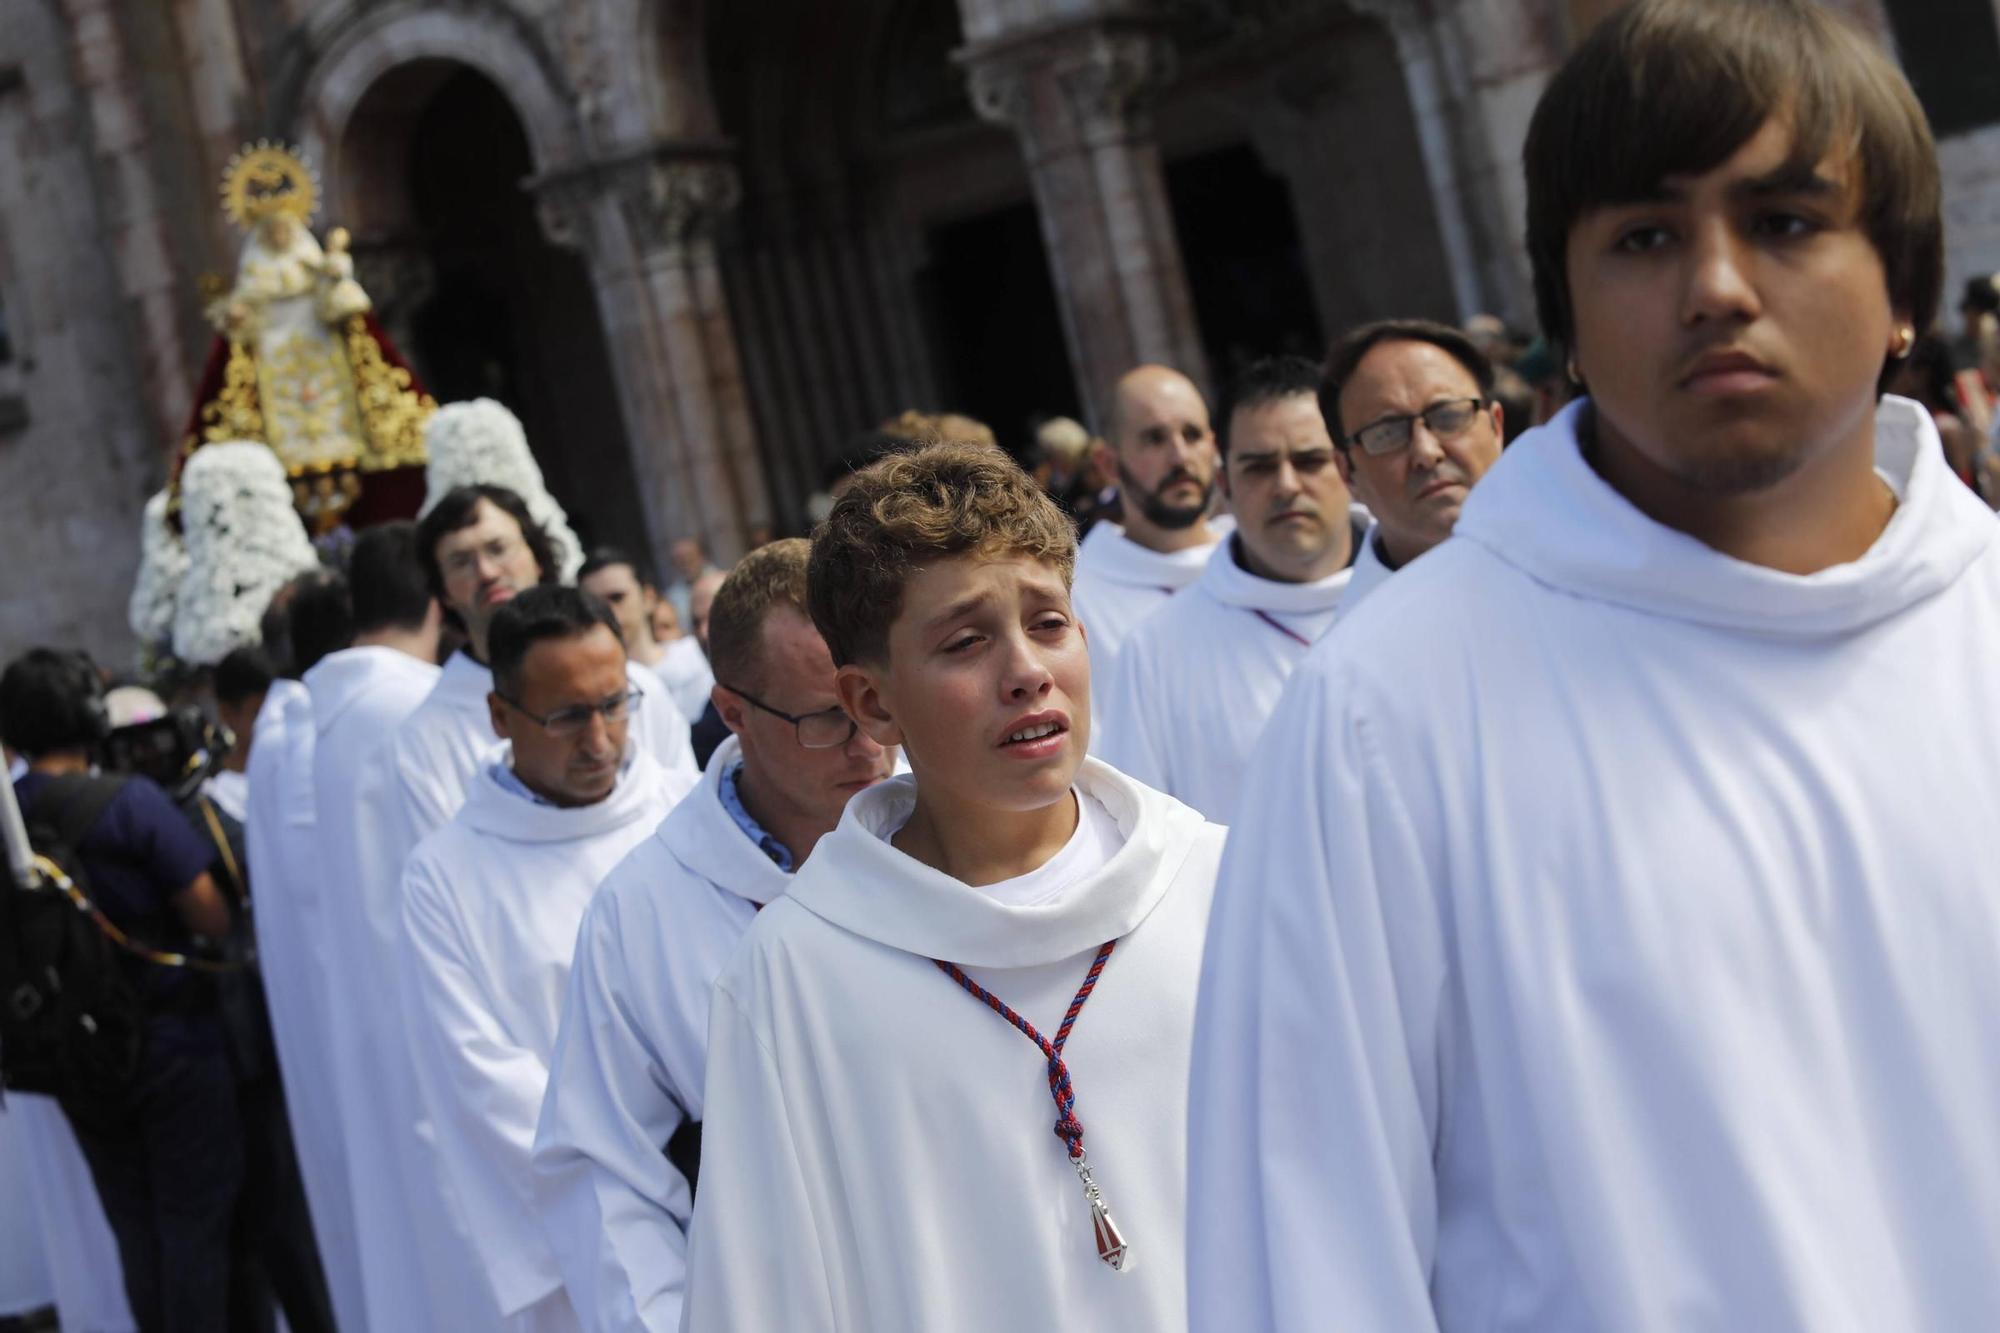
[670, 203]
[1103, 76]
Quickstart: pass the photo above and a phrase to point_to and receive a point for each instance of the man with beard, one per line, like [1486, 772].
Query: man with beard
[1191, 689]
[1162, 448]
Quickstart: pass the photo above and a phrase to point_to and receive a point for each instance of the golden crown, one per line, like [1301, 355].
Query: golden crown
[266, 179]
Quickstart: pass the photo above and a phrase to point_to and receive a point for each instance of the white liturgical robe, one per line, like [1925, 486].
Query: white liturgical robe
[1613, 945]
[1190, 692]
[1119, 582]
[287, 887]
[878, 1151]
[684, 669]
[416, 1267]
[628, 1065]
[83, 1263]
[491, 906]
[449, 738]
[1370, 570]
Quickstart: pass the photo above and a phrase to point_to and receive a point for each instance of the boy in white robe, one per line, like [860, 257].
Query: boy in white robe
[491, 906]
[625, 586]
[481, 547]
[1161, 447]
[1191, 689]
[1603, 944]
[627, 1072]
[877, 1147]
[1411, 407]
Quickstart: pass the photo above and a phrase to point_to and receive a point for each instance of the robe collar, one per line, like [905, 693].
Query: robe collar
[341, 679]
[1545, 510]
[857, 881]
[1107, 553]
[1225, 579]
[1370, 570]
[701, 835]
[495, 811]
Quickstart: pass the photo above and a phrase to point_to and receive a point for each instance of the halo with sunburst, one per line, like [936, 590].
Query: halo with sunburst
[266, 179]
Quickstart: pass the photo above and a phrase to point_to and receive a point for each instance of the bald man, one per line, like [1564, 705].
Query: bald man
[1161, 447]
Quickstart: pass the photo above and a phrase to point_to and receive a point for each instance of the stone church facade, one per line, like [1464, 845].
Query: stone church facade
[697, 244]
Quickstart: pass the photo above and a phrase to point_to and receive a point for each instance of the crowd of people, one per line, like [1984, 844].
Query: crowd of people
[1443, 845]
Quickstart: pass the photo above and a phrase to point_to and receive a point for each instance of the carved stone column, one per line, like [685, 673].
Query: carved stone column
[1077, 95]
[646, 221]
[1475, 73]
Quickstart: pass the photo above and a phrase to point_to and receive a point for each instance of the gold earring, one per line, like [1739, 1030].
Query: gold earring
[1906, 341]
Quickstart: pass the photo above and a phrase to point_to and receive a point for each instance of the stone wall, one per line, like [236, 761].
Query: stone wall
[79, 445]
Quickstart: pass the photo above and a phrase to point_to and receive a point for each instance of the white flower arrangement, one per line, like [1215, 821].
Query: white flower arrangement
[244, 542]
[163, 562]
[481, 443]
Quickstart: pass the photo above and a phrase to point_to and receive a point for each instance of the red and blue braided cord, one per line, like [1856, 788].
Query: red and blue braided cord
[1068, 1128]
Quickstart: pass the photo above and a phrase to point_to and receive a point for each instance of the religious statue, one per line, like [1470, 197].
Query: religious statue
[299, 363]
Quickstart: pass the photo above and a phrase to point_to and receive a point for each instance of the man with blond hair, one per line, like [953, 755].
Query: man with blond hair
[627, 1072]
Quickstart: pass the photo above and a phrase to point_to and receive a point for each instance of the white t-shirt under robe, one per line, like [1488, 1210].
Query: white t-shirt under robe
[1614, 944]
[878, 1150]
[1189, 693]
[491, 906]
[628, 1065]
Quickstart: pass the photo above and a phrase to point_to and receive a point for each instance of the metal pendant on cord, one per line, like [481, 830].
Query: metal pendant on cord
[1111, 1246]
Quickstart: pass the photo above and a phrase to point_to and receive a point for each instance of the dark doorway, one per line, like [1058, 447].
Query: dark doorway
[511, 316]
[1239, 237]
[997, 333]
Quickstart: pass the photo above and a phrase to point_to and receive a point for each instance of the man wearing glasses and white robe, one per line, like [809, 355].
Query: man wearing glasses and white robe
[627, 1073]
[491, 906]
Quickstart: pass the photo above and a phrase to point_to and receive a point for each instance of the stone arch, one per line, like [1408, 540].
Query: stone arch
[357, 45]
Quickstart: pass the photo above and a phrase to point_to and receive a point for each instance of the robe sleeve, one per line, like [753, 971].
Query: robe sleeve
[613, 1206]
[1129, 742]
[1315, 1098]
[754, 1259]
[481, 1091]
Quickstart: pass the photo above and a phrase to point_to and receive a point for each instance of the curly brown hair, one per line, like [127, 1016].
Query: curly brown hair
[910, 508]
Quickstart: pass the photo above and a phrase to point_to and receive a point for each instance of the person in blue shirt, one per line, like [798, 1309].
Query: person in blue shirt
[166, 1155]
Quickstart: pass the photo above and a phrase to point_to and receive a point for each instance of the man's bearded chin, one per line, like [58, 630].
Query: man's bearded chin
[1172, 517]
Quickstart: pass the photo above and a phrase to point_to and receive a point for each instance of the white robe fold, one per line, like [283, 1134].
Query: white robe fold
[1194, 684]
[25, 1283]
[1608, 941]
[1370, 570]
[878, 1150]
[628, 1066]
[83, 1263]
[1119, 582]
[416, 1268]
[287, 887]
[491, 906]
[688, 678]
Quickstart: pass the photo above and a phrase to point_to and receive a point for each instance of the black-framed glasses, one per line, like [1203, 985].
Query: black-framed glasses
[1444, 420]
[571, 721]
[823, 730]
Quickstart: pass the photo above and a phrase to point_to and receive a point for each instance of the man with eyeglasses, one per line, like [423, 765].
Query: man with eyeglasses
[1191, 689]
[627, 1072]
[1411, 407]
[481, 548]
[491, 905]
